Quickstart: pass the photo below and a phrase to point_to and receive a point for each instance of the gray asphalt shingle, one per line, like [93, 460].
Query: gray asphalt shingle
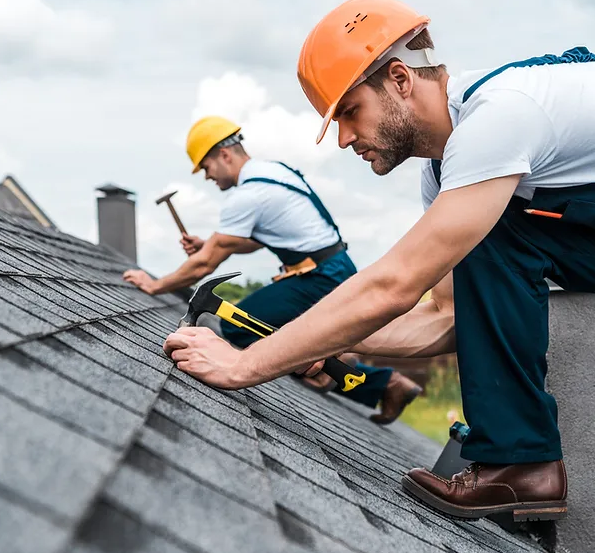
[21, 531]
[105, 447]
[49, 463]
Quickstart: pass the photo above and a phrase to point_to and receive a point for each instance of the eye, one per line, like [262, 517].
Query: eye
[350, 112]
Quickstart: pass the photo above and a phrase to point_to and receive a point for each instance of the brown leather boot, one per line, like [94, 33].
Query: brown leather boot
[400, 392]
[535, 491]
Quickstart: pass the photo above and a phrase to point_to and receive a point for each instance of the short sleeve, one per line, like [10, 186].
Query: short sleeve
[240, 213]
[502, 133]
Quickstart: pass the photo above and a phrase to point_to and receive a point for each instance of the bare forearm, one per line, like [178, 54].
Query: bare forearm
[187, 275]
[356, 309]
[426, 331]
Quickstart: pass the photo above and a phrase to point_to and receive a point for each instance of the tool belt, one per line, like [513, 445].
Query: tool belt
[311, 262]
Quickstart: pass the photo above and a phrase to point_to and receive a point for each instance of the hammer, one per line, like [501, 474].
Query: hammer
[204, 300]
[167, 200]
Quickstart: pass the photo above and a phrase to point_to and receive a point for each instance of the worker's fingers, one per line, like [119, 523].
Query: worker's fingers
[183, 366]
[194, 331]
[181, 354]
[310, 370]
[314, 369]
[184, 337]
[173, 342]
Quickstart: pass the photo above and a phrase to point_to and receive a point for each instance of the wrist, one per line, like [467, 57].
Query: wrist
[152, 288]
[245, 372]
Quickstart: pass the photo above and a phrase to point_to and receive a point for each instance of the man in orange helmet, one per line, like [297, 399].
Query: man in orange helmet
[508, 187]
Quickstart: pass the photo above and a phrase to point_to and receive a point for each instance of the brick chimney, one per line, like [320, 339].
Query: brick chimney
[116, 214]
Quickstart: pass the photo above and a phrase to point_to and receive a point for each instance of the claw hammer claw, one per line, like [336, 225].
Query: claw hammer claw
[204, 300]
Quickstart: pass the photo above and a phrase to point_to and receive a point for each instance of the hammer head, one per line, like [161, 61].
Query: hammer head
[166, 197]
[204, 300]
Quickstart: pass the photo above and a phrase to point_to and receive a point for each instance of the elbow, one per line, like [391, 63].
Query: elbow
[199, 272]
[394, 294]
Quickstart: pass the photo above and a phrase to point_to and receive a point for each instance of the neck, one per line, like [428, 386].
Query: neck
[434, 118]
[236, 166]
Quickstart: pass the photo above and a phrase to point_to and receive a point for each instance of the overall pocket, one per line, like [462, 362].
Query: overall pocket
[580, 212]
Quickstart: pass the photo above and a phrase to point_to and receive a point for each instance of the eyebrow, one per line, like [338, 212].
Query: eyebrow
[339, 111]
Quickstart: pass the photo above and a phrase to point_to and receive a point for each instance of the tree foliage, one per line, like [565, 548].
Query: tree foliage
[234, 293]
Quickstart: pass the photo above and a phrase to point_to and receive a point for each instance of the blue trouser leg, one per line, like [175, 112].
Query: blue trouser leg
[282, 301]
[279, 303]
[501, 322]
[285, 300]
[371, 391]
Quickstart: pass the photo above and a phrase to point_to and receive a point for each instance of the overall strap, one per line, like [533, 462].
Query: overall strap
[580, 54]
[577, 55]
[311, 195]
[437, 169]
[315, 199]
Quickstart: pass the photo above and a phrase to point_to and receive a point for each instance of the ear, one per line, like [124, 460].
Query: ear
[400, 79]
[225, 155]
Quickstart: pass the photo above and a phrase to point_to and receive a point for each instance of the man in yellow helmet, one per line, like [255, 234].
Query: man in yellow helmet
[508, 183]
[269, 204]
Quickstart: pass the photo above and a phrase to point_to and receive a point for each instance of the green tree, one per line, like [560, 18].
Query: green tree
[234, 293]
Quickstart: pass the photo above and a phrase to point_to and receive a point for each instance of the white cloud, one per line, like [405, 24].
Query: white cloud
[66, 136]
[33, 36]
[271, 131]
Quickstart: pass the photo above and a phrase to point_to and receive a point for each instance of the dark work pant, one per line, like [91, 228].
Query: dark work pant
[501, 321]
[282, 301]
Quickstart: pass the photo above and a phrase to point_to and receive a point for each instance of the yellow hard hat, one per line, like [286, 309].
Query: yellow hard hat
[205, 134]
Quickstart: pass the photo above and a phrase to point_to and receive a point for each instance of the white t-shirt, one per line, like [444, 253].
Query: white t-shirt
[535, 121]
[273, 214]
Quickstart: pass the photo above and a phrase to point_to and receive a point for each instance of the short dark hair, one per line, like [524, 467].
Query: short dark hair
[237, 149]
[419, 42]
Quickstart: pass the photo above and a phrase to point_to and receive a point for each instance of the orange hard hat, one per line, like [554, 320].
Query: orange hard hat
[348, 41]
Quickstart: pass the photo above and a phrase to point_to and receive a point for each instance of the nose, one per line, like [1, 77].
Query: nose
[346, 136]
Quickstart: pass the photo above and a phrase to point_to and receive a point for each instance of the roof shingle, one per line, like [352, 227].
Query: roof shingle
[105, 447]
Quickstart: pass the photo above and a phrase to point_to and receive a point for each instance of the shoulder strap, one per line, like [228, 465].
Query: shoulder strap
[437, 170]
[312, 196]
[580, 54]
[283, 184]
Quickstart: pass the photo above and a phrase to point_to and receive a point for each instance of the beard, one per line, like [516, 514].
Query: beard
[398, 136]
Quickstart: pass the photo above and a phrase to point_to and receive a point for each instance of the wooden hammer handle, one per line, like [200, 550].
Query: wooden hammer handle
[176, 218]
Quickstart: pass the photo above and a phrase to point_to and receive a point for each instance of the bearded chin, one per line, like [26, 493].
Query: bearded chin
[384, 163]
[396, 137]
[389, 159]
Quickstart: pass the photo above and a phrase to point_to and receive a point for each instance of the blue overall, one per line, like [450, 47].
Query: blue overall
[284, 300]
[501, 312]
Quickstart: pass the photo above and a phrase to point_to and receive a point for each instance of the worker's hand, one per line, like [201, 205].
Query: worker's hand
[191, 244]
[311, 370]
[141, 280]
[199, 352]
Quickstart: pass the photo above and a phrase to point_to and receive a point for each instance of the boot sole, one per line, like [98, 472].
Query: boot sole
[521, 512]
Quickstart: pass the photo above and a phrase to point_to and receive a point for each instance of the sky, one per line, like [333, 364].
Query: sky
[105, 91]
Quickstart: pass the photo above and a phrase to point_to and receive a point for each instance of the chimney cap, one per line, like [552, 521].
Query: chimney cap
[113, 190]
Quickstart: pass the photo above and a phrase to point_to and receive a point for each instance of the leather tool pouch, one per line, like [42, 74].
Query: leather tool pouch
[300, 268]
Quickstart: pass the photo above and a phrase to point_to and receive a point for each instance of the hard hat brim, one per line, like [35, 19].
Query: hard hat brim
[328, 117]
